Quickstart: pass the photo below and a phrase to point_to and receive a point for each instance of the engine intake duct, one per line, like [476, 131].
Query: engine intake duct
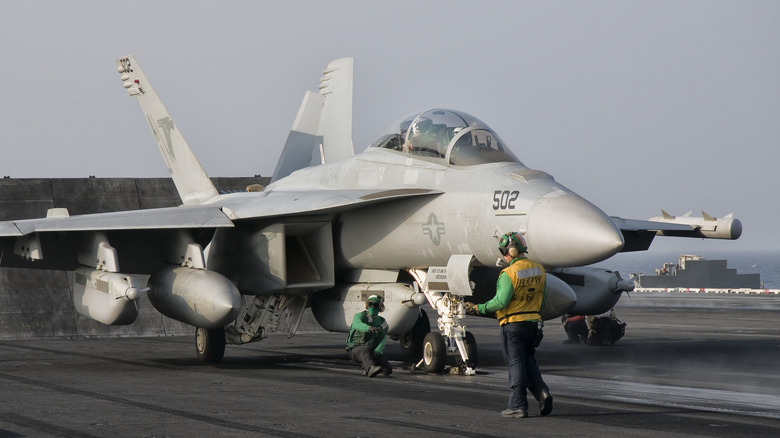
[280, 258]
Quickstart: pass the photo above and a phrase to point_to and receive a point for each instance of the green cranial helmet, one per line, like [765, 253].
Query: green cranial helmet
[510, 240]
[375, 301]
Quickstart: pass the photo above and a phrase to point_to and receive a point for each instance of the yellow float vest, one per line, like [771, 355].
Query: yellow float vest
[528, 281]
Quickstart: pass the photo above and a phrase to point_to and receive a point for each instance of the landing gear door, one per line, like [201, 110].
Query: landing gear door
[453, 278]
[458, 270]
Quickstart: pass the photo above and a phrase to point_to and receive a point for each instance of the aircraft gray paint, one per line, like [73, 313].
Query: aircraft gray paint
[415, 217]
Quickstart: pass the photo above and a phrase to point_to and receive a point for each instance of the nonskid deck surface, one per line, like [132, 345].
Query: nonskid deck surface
[704, 369]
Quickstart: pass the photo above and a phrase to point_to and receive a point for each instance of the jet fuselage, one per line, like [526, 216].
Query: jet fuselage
[471, 206]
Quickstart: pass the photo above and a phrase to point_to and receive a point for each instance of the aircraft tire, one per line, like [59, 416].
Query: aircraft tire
[210, 344]
[434, 353]
[471, 350]
[412, 341]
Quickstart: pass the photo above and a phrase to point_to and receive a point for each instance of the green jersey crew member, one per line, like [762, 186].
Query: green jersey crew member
[519, 299]
[367, 337]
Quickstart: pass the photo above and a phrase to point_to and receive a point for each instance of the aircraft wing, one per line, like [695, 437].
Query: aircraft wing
[253, 206]
[639, 234]
[158, 218]
[144, 239]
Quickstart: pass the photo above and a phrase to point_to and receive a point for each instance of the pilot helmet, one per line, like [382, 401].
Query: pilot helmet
[375, 301]
[512, 244]
[422, 124]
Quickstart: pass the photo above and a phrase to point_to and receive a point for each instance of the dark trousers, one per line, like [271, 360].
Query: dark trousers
[577, 331]
[517, 342]
[365, 355]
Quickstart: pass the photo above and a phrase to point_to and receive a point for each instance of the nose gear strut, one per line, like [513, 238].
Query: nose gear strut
[445, 289]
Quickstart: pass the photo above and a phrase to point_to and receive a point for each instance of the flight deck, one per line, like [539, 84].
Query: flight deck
[688, 365]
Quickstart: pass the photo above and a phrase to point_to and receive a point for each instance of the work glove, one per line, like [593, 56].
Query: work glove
[375, 330]
[472, 309]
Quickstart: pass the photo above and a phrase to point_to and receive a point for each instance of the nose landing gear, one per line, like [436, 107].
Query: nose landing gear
[447, 298]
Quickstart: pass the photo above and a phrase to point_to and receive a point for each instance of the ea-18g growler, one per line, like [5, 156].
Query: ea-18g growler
[414, 218]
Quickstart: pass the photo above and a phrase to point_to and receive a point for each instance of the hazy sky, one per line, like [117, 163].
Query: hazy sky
[637, 106]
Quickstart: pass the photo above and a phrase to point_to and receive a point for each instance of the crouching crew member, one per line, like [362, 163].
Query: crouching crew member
[576, 329]
[605, 329]
[519, 299]
[367, 337]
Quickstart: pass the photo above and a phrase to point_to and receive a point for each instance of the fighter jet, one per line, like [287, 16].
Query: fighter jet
[415, 218]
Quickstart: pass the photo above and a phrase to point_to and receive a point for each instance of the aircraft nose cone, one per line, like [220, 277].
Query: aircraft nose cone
[566, 230]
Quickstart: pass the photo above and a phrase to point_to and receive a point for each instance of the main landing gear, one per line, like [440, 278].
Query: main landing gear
[265, 314]
[412, 341]
[210, 344]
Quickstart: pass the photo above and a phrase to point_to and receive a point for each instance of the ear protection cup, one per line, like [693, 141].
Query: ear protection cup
[512, 244]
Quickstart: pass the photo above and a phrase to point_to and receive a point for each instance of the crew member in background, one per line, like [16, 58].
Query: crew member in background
[576, 329]
[602, 329]
[605, 329]
[367, 337]
[520, 293]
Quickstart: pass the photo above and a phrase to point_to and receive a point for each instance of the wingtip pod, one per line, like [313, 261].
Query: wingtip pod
[735, 228]
[706, 226]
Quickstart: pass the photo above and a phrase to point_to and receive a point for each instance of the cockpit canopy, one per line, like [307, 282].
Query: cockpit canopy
[442, 134]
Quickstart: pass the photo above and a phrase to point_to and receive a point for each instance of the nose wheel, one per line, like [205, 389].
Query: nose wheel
[434, 353]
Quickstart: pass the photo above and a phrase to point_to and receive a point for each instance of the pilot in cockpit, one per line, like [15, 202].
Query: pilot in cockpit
[424, 139]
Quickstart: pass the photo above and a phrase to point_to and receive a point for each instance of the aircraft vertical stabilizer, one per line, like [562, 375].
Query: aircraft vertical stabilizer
[191, 181]
[336, 120]
[322, 130]
[304, 147]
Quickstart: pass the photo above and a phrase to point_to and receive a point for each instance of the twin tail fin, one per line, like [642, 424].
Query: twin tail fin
[192, 182]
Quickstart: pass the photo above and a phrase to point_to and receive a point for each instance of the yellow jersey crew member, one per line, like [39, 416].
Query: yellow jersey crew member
[520, 293]
[367, 337]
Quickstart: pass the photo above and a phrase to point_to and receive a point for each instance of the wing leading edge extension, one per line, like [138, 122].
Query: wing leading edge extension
[271, 204]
